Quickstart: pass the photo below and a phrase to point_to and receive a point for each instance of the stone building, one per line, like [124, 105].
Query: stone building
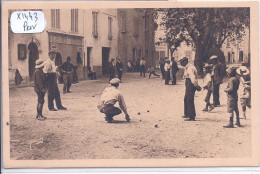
[64, 30]
[136, 35]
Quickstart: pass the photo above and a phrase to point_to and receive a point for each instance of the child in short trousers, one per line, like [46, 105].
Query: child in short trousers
[232, 97]
[40, 87]
[207, 85]
[245, 98]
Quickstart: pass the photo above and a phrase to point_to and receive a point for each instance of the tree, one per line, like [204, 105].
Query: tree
[205, 28]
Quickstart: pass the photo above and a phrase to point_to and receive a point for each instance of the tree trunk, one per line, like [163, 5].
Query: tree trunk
[198, 62]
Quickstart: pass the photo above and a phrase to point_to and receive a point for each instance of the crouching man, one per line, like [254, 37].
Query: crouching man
[108, 99]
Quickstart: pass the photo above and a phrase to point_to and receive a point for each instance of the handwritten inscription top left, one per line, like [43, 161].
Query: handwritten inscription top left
[27, 22]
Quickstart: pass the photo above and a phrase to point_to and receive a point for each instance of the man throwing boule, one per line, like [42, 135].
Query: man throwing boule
[108, 99]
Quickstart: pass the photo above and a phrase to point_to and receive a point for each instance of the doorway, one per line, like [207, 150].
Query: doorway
[88, 55]
[241, 54]
[58, 59]
[33, 56]
[105, 59]
[229, 57]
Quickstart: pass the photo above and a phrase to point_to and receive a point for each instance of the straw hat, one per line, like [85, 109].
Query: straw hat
[242, 69]
[39, 63]
[213, 57]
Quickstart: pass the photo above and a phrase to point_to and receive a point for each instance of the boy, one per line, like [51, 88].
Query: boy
[232, 98]
[245, 98]
[208, 86]
[40, 87]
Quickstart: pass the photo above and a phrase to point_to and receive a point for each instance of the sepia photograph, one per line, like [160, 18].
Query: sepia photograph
[130, 84]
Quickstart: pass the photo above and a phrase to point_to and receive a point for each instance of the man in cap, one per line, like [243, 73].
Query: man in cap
[175, 69]
[119, 68]
[40, 87]
[167, 68]
[111, 69]
[142, 67]
[217, 77]
[191, 85]
[52, 87]
[67, 69]
[108, 99]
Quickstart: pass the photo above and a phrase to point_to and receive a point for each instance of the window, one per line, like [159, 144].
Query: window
[134, 53]
[123, 22]
[94, 24]
[74, 20]
[135, 27]
[55, 18]
[110, 28]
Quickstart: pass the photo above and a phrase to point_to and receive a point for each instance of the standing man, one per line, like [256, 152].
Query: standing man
[191, 85]
[162, 67]
[67, 69]
[119, 68]
[108, 99]
[167, 68]
[111, 69]
[217, 76]
[52, 87]
[175, 69]
[142, 67]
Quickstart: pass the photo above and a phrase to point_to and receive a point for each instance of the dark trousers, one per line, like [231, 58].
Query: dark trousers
[111, 75]
[92, 76]
[167, 77]
[120, 73]
[174, 78]
[53, 91]
[163, 72]
[75, 77]
[207, 98]
[216, 94]
[111, 111]
[189, 106]
[142, 70]
[67, 80]
[153, 72]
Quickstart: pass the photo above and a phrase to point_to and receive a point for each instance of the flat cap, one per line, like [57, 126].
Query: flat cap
[114, 81]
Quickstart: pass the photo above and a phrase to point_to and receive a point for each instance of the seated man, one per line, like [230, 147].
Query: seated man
[91, 74]
[108, 99]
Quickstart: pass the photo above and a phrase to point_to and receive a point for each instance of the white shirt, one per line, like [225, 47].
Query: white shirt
[167, 67]
[49, 66]
[142, 62]
[110, 96]
[191, 72]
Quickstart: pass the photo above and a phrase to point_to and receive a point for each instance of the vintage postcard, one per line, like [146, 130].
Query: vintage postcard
[130, 84]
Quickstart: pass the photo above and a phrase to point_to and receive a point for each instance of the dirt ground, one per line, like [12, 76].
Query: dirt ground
[82, 133]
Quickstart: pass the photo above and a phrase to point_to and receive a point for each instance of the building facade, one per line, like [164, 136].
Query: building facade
[91, 37]
[136, 35]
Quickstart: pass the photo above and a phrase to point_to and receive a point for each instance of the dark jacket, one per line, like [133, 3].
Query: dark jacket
[67, 67]
[175, 67]
[111, 68]
[119, 66]
[40, 84]
[217, 73]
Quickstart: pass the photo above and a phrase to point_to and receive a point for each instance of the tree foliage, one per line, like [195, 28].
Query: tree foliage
[205, 28]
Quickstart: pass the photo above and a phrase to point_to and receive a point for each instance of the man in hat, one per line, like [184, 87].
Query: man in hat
[232, 97]
[119, 68]
[167, 68]
[175, 69]
[52, 87]
[40, 87]
[217, 77]
[108, 99]
[67, 69]
[191, 85]
[111, 69]
[142, 67]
